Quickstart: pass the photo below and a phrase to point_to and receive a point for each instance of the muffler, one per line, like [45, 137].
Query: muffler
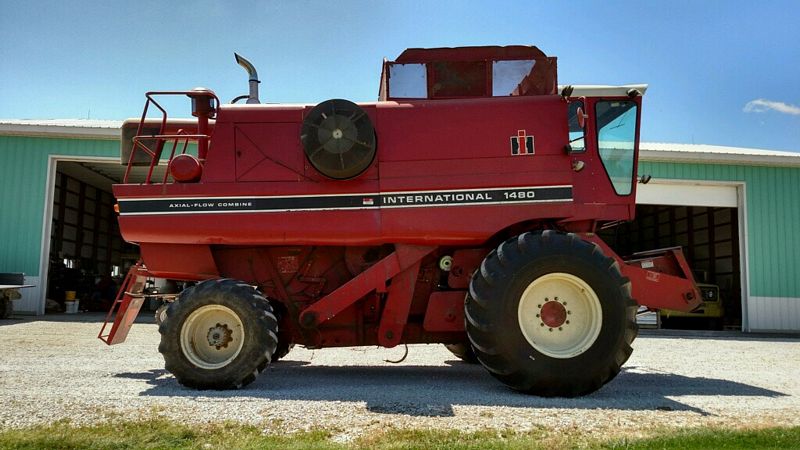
[251, 70]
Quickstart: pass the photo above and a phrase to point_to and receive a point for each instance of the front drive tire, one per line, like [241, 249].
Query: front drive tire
[549, 314]
[218, 334]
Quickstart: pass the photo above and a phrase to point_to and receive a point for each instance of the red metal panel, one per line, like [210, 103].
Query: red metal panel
[372, 279]
[470, 129]
[419, 226]
[256, 158]
[464, 264]
[674, 288]
[445, 311]
[220, 163]
[398, 304]
[462, 173]
[461, 225]
[662, 291]
[183, 262]
[261, 113]
[123, 191]
[319, 228]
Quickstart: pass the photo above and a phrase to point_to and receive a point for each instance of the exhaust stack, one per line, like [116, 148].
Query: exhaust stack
[253, 97]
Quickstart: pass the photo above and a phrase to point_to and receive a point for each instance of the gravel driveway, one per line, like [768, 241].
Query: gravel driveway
[56, 368]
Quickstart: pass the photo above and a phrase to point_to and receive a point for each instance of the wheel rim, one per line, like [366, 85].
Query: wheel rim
[560, 315]
[212, 336]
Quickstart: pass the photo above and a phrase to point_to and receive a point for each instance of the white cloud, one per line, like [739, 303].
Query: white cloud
[761, 105]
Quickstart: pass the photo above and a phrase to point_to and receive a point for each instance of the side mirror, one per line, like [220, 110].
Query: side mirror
[581, 116]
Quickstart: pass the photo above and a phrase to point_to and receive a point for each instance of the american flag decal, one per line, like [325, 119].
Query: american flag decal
[367, 201]
[522, 144]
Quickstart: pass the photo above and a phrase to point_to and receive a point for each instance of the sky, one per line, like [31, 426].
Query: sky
[720, 72]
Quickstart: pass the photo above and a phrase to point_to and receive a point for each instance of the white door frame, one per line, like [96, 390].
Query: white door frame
[47, 217]
[741, 209]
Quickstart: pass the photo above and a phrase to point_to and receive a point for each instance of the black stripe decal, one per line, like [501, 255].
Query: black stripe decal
[413, 199]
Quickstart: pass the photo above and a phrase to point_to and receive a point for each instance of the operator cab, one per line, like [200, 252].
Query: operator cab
[608, 114]
[608, 117]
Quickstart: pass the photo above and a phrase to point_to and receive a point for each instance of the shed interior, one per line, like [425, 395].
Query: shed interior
[88, 257]
[709, 237]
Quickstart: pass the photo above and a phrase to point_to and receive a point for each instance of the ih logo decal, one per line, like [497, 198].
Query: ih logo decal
[521, 144]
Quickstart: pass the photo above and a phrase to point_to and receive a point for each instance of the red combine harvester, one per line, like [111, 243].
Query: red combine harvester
[460, 208]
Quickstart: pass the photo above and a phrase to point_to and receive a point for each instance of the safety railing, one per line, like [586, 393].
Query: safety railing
[204, 107]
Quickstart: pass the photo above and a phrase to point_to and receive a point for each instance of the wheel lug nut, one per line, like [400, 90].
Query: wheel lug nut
[569, 312]
[567, 322]
[541, 324]
[539, 306]
[559, 328]
[551, 330]
[564, 303]
[537, 315]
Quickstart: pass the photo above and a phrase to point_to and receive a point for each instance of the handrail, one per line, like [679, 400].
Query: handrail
[202, 136]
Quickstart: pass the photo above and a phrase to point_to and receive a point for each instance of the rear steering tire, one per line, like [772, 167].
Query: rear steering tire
[285, 344]
[463, 351]
[161, 313]
[549, 314]
[283, 349]
[218, 334]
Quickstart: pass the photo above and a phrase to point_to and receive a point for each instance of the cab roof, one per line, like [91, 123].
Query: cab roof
[479, 53]
[466, 72]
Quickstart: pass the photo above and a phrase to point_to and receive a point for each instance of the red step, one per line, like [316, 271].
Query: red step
[126, 306]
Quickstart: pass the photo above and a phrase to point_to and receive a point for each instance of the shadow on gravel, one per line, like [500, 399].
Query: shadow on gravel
[150, 375]
[433, 390]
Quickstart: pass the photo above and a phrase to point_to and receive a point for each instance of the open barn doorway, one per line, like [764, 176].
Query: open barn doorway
[86, 256]
[705, 221]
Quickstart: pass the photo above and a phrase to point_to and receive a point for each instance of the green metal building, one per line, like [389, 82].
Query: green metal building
[735, 211]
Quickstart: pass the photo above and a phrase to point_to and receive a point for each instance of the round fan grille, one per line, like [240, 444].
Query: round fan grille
[338, 139]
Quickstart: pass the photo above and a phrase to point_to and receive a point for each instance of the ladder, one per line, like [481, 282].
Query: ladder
[126, 306]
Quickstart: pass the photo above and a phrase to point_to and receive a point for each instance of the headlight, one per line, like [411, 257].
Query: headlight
[709, 294]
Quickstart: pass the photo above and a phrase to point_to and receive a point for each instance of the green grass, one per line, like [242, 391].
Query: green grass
[717, 438]
[161, 434]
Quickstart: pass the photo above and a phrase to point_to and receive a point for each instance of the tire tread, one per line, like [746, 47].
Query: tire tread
[484, 302]
[248, 364]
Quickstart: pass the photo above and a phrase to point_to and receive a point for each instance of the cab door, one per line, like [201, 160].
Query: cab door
[605, 144]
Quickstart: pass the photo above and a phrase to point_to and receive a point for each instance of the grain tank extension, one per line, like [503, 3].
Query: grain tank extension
[460, 208]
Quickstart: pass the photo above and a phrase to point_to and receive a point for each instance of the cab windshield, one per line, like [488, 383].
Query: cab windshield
[616, 133]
